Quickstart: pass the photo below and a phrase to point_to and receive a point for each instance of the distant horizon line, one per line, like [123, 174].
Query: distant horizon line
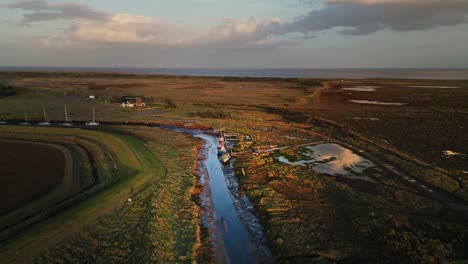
[240, 68]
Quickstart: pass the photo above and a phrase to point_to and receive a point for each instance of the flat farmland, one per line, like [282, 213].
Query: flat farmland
[29, 170]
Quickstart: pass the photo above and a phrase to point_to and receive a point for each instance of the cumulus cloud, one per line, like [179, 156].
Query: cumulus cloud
[41, 10]
[244, 29]
[139, 29]
[127, 28]
[361, 17]
[91, 26]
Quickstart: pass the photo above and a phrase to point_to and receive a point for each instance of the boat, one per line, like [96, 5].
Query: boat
[225, 157]
[221, 150]
[67, 123]
[224, 224]
[93, 123]
[45, 123]
[25, 123]
[221, 137]
[222, 143]
[3, 123]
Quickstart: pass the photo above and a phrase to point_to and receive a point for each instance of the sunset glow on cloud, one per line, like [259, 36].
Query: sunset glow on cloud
[81, 24]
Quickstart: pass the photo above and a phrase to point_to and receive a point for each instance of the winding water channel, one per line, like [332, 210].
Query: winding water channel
[236, 233]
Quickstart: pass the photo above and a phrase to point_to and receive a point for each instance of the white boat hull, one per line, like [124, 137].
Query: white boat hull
[92, 124]
[225, 157]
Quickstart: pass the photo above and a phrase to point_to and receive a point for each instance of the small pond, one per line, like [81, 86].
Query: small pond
[333, 159]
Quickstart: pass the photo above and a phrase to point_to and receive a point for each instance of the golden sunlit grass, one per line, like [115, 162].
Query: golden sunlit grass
[306, 215]
[159, 225]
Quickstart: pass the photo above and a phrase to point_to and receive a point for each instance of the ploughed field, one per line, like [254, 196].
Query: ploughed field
[29, 170]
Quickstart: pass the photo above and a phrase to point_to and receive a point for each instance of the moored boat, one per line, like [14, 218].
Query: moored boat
[93, 123]
[45, 122]
[25, 123]
[67, 122]
[225, 157]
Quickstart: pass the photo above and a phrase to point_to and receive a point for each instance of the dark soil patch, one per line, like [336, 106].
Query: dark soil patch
[360, 185]
[28, 171]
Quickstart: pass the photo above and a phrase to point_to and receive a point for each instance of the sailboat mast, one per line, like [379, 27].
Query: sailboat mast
[66, 114]
[45, 115]
[25, 116]
[94, 115]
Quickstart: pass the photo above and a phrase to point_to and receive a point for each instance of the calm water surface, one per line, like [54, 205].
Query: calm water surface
[280, 73]
[238, 230]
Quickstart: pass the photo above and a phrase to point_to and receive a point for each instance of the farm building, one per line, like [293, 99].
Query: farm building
[133, 101]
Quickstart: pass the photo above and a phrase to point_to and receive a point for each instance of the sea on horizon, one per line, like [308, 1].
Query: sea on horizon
[436, 74]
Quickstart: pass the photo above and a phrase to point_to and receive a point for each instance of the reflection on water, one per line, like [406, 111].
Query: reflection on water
[375, 102]
[236, 241]
[361, 88]
[334, 160]
[338, 160]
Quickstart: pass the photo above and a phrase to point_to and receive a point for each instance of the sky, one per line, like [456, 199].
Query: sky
[235, 33]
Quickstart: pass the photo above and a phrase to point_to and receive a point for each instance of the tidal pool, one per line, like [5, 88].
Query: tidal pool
[375, 102]
[361, 88]
[335, 160]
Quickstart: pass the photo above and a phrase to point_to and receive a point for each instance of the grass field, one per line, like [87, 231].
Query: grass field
[159, 225]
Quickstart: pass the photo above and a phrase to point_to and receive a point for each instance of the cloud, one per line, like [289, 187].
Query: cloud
[45, 11]
[127, 28]
[137, 29]
[362, 17]
[244, 29]
[94, 27]
[349, 17]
